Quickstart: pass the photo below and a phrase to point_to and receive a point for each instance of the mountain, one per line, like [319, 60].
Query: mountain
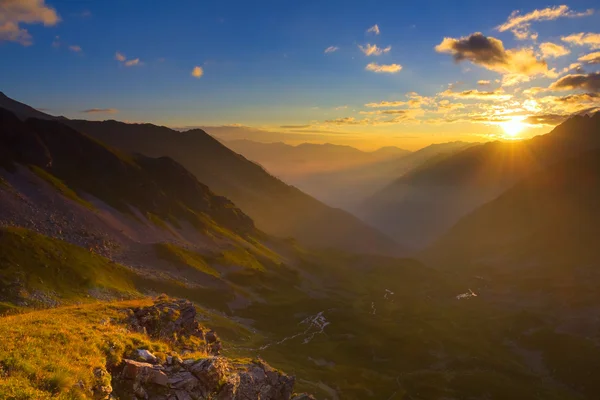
[340, 176]
[294, 162]
[551, 215]
[21, 110]
[89, 237]
[275, 207]
[421, 205]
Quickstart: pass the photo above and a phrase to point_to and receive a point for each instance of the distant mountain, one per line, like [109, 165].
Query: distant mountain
[294, 162]
[340, 176]
[421, 205]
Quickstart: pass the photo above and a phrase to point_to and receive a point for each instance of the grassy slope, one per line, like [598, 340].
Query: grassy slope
[39, 263]
[52, 354]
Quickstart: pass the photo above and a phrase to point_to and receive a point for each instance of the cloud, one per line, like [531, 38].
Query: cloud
[545, 119]
[374, 29]
[476, 94]
[197, 72]
[75, 49]
[373, 50]
[490, 53]
[13, 13]
[583, 39]
[519, 24]
[553, 50]
[100, 111]
[131, 63]
[331, 49]
[592, 58]
[483, 82]
[385, 68]
[589, 82]
[346, 121]
[119, 57]
[387, 104]
[295, 126]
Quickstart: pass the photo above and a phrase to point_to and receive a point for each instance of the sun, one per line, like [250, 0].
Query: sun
[513, 127]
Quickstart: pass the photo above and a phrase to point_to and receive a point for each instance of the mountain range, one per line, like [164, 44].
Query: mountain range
[276, 207]
[341, 176]
[421, 205]
[501, 306]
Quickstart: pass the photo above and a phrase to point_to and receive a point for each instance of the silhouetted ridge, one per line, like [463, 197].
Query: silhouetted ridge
[160, 187]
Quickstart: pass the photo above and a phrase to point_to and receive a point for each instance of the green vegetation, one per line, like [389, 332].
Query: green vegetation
[52, 354]
[38, 263]
[60, 186]
[239, 257]
[183, 257]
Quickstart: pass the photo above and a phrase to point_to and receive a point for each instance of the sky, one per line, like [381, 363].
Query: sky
[362, 73]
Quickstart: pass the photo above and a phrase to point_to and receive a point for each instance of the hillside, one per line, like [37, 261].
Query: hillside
[346, 326]
[551, 215]
[421, 205]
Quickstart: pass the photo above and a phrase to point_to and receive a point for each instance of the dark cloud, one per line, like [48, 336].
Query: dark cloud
[100, 111]
[490, 53]
[589, 82]
[545, 119]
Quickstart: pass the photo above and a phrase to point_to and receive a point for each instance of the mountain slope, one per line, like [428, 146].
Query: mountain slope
[421, 205]
[277, 208]
[551, 215]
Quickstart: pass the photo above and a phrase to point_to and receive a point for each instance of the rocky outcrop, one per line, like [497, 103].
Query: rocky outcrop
[174, 320]
[205, 378]
[176, 378]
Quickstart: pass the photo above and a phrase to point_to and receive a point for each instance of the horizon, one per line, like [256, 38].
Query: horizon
[391, 75]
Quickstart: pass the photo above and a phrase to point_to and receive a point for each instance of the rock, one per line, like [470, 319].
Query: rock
[147, 356]
[211, 372]
[144, 373]
[174, 320]
[183, 381]
[133, 369]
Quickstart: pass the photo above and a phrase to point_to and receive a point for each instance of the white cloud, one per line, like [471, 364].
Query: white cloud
[331, 49]
[13, 13]
[373, 50]
[374, 29]
[385, 68]
[553, 50]
[197, 72]
[583, 39]
[519, 24]
[131, 63]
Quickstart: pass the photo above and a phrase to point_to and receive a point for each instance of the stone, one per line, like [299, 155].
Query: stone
[147, 356]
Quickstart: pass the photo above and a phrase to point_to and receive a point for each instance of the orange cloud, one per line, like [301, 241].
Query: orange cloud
[13, 13]
[197, 72]
[389, 68]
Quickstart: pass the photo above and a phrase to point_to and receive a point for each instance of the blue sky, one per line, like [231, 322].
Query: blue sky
[264, 64]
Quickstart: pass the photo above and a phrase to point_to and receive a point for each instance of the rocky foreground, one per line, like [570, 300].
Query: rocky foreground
[175, 377]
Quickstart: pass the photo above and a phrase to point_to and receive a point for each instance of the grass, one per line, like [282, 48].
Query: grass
[60, 186]
[52, 354]
[183, 257]
[42, 264]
